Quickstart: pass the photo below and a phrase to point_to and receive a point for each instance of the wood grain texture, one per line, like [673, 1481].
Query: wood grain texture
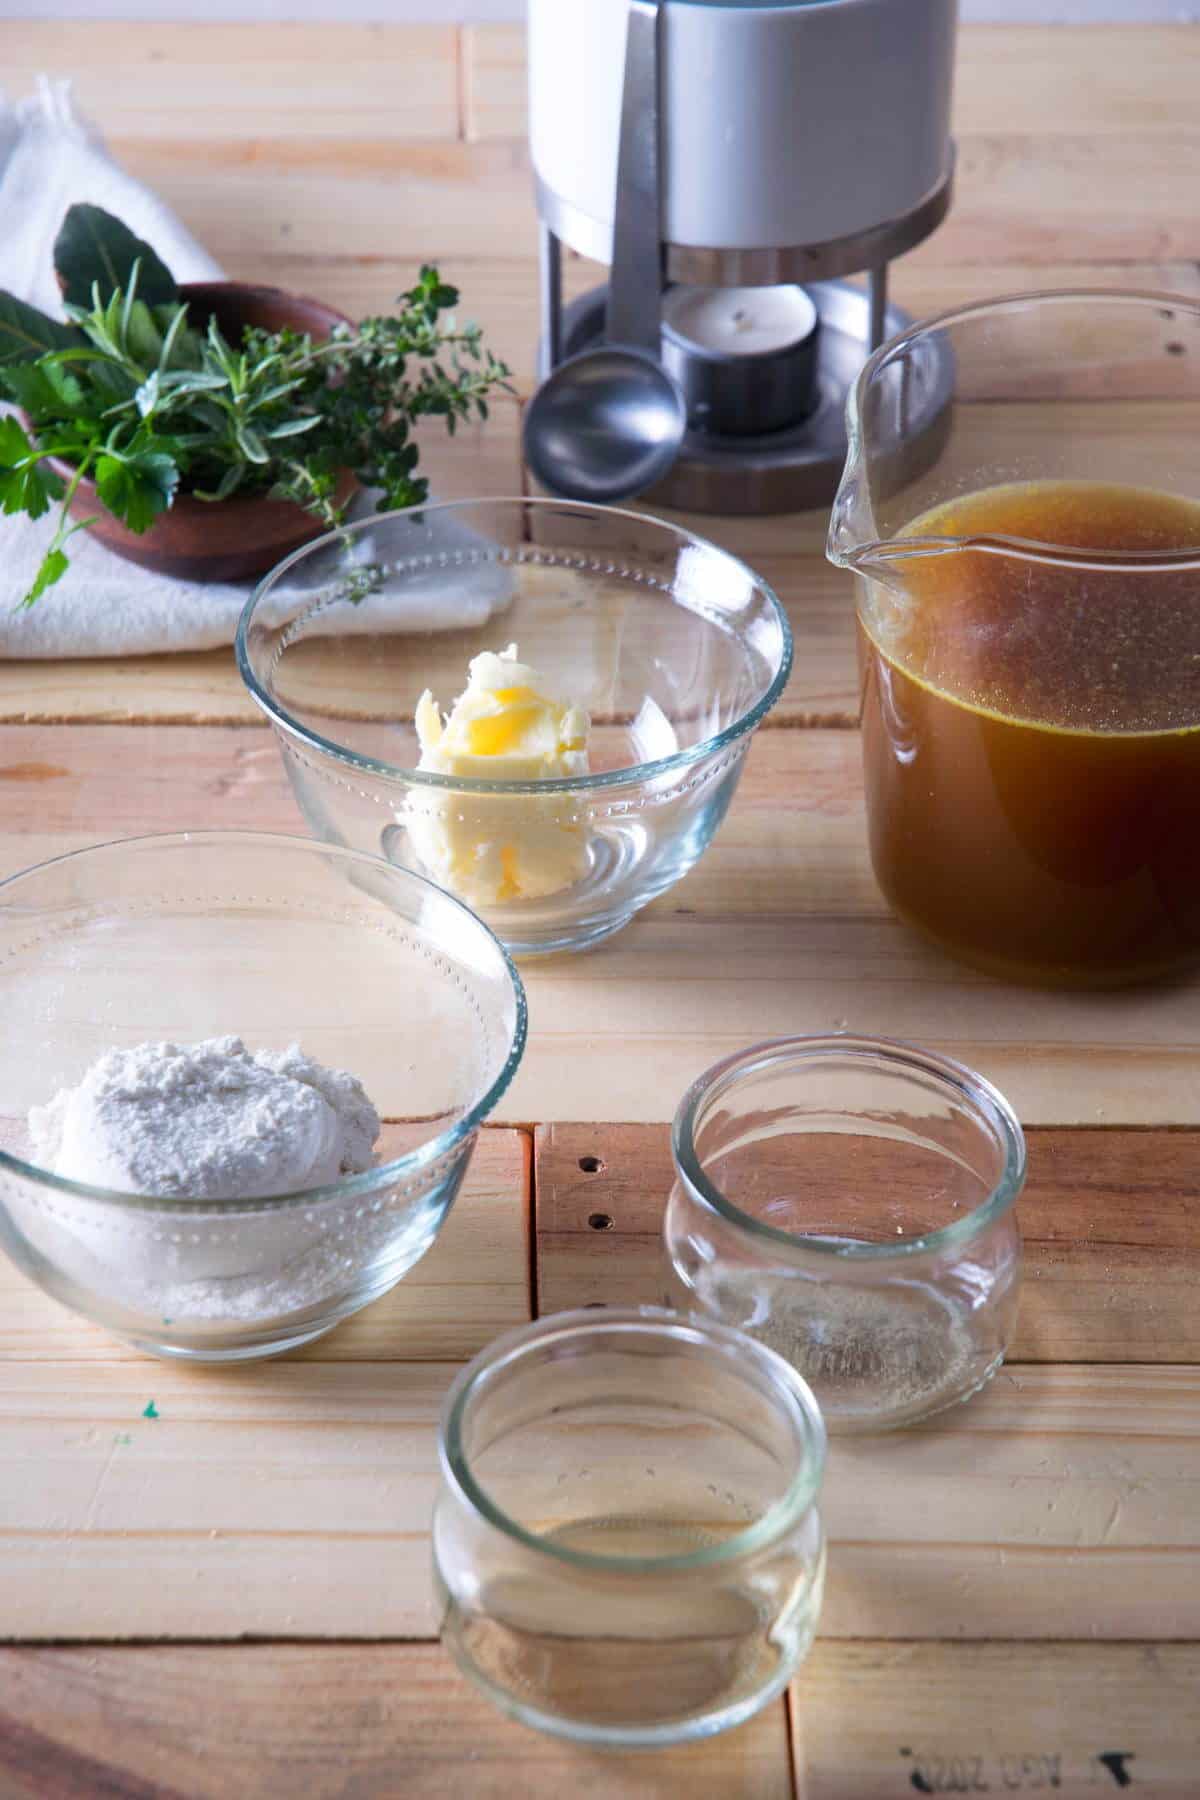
[284, 1499]
[1110, 1222]
[388, 1720]
[382, 142]
[780, 929]
[431, 199]
[325, 1722]
[1110, 199]
[473, 1284]
[997, 1718]
[293, 1500]
[1060, 1502]
[206, 83]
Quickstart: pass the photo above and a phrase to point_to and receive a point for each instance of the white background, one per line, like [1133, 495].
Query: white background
[453, 11]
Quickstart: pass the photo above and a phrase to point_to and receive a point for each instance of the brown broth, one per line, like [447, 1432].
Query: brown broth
[1032, 737]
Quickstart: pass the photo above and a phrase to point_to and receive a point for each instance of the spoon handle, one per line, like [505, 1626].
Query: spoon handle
[635, 279]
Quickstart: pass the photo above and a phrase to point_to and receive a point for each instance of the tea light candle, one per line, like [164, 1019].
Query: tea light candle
[741, 321]
[745, 357]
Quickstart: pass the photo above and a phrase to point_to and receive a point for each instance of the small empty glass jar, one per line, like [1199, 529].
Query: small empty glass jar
[849, 1201]
[626, 1546]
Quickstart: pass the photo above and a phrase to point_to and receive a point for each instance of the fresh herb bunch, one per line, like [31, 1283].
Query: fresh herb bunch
[133, 395]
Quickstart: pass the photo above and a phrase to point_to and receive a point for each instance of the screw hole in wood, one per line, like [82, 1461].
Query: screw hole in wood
[591, 1165]
[601, 1221]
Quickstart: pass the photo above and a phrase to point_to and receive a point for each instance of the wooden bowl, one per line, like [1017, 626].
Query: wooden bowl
[221, 540]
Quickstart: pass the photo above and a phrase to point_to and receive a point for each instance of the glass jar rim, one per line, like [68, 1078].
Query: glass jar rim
[654, 1322]
[953, 1077]
[412, 1163]
[568, 784]
[1024, 549]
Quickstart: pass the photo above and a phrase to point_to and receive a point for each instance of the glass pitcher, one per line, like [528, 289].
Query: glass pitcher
[1021, 508]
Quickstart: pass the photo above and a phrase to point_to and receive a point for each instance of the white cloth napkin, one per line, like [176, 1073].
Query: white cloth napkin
[51, 158]
[106, 606]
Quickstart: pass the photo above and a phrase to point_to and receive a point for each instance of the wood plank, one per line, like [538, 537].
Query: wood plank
[204, 82]
[379, 145]
[622, 1034]
[780, 929]
[1110, 1222]
[432, 199]
[293, 1500]
[472, 1285]
[873, 1721]
[205, 688]
[322, 1721]
[1102, 80]
[1099, 80]
[495, 82]
[1060, 1503]
[1120, 198]
[391, 1720]
[273, 1500]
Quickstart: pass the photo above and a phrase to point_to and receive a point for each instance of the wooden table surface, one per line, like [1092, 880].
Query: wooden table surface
[1014, 1596]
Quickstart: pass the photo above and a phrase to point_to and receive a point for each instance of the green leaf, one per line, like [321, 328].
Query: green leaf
[26, 484]
[177, 340]
[14, 443]
[191, 381]
[251, 445]
[137, 487]
[94, 249]
[229, 483]
[53, 567]
[26, 333]
[293, 427]
[142, 338]
[43, 390]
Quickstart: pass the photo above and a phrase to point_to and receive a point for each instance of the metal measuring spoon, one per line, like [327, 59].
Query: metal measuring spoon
[608, 423]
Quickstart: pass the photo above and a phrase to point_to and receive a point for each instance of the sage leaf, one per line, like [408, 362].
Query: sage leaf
[94, 250]
[251, 445]
[26, 333]
[293, 427]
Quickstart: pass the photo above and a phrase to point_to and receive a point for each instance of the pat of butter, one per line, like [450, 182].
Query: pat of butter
[504, 726]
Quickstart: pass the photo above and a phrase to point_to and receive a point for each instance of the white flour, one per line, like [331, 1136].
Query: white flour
[211, 1121]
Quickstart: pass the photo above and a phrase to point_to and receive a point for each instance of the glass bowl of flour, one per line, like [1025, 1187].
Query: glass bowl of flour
[241, 1078]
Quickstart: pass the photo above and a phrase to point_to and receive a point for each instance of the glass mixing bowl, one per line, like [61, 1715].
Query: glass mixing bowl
[275, 940]
[675, 648]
